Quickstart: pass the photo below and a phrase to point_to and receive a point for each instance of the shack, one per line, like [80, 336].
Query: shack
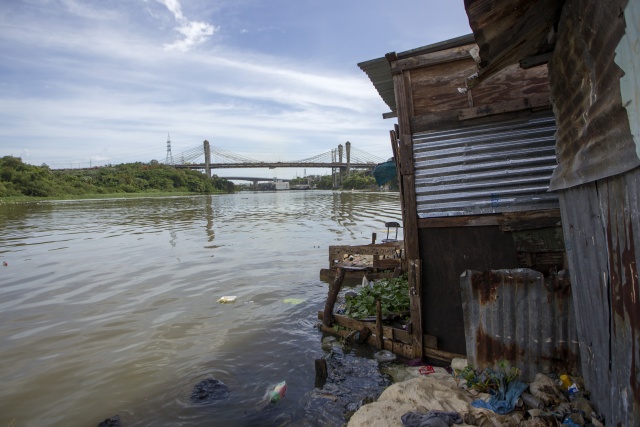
[518, 153]
[475, 167]
[593, 63]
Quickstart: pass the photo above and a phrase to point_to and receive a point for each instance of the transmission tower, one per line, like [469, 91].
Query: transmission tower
[169, 160]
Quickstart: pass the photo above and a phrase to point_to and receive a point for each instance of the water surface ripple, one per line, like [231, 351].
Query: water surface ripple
[109, 306]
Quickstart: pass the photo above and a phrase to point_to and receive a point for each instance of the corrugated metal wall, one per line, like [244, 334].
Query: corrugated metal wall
[490, 168]
[517, 316]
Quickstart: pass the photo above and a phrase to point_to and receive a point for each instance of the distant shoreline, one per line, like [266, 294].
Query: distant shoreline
[26, 199]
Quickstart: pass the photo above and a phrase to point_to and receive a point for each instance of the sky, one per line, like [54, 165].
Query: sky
[94, 82]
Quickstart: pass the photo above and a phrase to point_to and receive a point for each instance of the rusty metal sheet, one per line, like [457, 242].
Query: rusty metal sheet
[520, 317]
[601, 227]
[594, 135]
[503, 166]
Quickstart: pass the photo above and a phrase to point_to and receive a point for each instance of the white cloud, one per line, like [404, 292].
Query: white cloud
[193, 33]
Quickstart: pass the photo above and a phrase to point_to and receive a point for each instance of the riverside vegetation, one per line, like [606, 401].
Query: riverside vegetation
[19, 179]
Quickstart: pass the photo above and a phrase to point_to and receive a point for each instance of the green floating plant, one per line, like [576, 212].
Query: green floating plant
[392, 293]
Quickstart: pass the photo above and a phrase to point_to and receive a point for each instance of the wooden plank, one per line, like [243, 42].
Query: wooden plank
[518, 221]
[411, 244]
[387, 263]
[328, 275]
[442, 355]
[459, 221]
[387, 331]
[396, 347]
[437, 120]
[508, 221]
[433, 58]
[402, 107]
[379, 332]
[541, 100]
[405, 151]
[415, 286]
[389, 115]
[512, 83]
[436, 88]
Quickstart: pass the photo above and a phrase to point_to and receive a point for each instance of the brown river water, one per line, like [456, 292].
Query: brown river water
[109, 307]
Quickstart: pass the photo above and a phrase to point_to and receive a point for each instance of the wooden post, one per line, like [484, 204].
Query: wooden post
[334, 290]
[415, 288]
[379, 337]
[373, 238]
[321, 372]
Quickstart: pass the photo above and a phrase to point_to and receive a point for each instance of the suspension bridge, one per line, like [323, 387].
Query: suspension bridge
[205, 157]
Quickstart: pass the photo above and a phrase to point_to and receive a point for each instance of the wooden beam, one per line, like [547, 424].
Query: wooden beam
[534, 61]
[334, 290]
[508, 221]
[534, 101]
[387, 331]
[379, 332]
[459, 221]
[415, 292]
[389, 115]
[433, 58]
[442, 355]
[411, 244]
[434, 120]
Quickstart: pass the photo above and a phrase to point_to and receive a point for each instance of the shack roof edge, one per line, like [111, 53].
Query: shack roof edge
[379, 70]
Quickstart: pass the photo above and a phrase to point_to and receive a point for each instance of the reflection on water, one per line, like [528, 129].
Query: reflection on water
[109, 306]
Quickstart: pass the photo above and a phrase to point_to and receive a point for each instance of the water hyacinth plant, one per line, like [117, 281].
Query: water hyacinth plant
[392, 293]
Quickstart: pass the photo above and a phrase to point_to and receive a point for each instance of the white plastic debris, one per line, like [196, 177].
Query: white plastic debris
[227, 299]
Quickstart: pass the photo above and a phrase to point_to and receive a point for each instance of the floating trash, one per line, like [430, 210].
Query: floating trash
[227, 299]
[208, 391]
[293, 301]
[278, 392]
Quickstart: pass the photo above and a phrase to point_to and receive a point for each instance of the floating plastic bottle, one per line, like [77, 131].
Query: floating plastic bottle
[278, 392]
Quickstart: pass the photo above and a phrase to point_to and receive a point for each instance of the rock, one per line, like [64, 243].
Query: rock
[384, 356]
[330, 342]
[208, 391]
[545, 389]
[111, 422]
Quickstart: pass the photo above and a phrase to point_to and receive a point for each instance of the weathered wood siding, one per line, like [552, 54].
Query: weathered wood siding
[602, 231]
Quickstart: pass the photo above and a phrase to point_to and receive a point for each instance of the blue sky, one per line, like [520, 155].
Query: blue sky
[105, 81]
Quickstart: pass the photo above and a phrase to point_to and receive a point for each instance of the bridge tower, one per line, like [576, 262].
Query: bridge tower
[207, 158]
[348, 152]
[169, 159]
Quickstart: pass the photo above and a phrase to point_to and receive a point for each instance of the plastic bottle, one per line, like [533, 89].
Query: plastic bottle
[278, 392]
[532, 401]
[566, 381]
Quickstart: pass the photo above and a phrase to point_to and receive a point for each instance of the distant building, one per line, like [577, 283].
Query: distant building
[281, 185]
